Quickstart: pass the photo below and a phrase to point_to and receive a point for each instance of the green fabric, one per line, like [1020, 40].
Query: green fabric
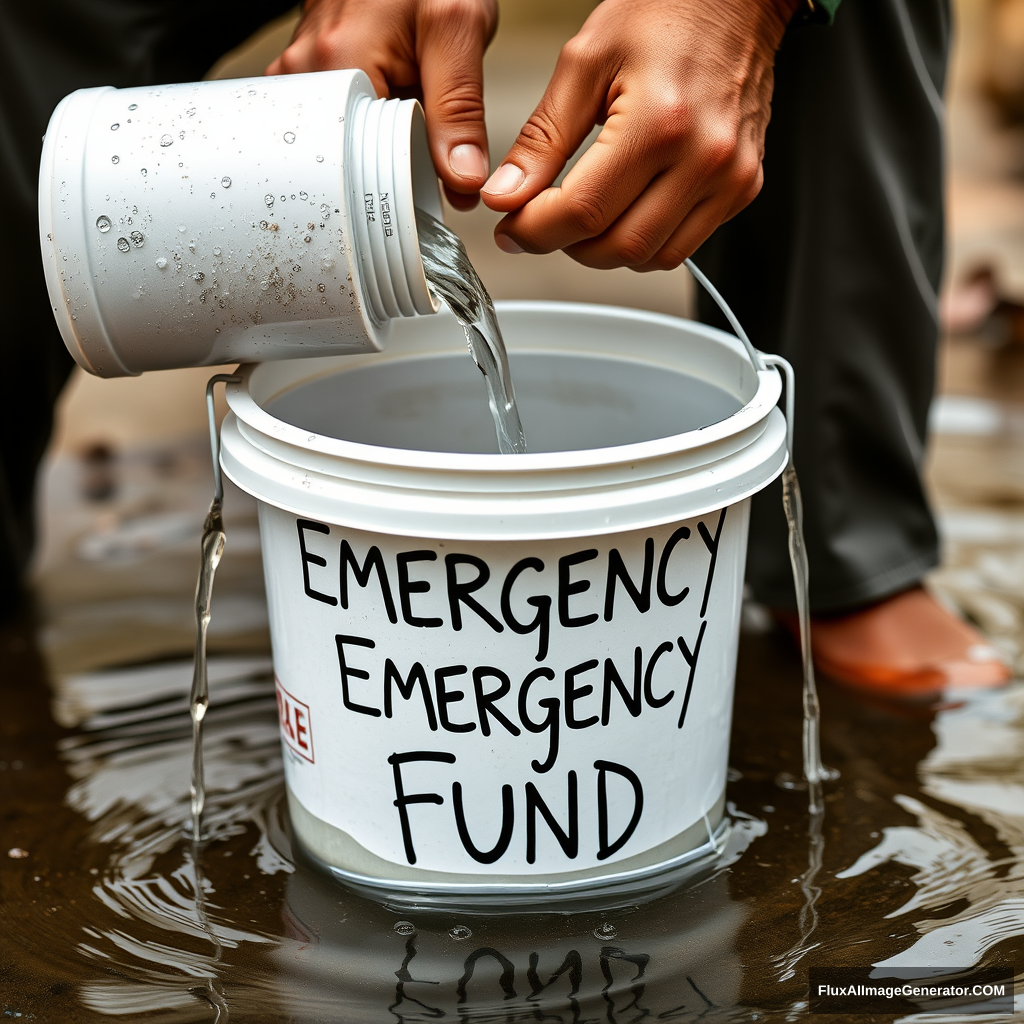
[825, 10]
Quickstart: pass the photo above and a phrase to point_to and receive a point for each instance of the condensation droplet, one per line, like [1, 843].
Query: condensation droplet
[319, 159]
[103, 223]
[198, 277]
[263, 225]
[138, 239]
[181, 229]
[289, 137]
[321, 287]
[307, 238]
[115, 159]
[303, 196]
[252, 92]
[268, 199]
[133, 106]
[460, 932]
[284, 199]
[225, 182]
[123, 245]
[404, 928]
[213, 195]
[166, 140]
[216, 250]
[325, 211]
[114, 127]
[144, 172]
[605, 931]
[264, 285]
[191, 245]
[161, 263]
[327, 263]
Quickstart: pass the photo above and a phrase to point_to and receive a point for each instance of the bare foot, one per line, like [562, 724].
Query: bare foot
[908, 645]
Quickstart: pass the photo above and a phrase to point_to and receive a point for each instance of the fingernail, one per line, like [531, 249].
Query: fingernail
[468, 161]
[505, 244]
[507, 178]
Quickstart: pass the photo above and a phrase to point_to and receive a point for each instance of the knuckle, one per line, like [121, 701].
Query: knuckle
[635, 248]
[585, 216]
[461, 15]
[719, 149]
[325, 49]
[540, 134]
[672, 120]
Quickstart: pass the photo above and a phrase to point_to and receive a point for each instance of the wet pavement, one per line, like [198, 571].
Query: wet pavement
[107, 910]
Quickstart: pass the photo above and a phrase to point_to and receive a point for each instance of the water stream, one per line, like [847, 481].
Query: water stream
[455, 282]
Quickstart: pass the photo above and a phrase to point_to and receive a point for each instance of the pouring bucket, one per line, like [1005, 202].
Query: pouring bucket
[508, 677]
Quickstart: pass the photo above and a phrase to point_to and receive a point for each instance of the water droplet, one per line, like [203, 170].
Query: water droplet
[161, 263]
[123, 245]
[293, 195]
[181, 135]
[327, 263]
[191, 245]
[213, 195]
[321, 287]
[144, 172]
[133, 106]
[289, 137]
[460, 932]
[405, 928]
[303, 196]
[252, 92]
[115, 159]
[284, 199]
[166, 140]
[296, 269]
[103, 223]
[216, 250]
[114, 127]
[181, 229]
[198, 276]
[138, 239]
[325, 211]
[264, 285]
[319, 159]
[225, 182]
[191, 113]
[307, 238]
[605, 931]
[268, 199]
[17, 853]
[263, 225]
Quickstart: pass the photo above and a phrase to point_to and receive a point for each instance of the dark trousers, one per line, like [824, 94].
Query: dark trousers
[836, 266]
[48, 49]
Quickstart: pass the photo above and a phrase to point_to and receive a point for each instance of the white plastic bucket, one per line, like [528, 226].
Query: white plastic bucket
[508, 675]
[203, 223]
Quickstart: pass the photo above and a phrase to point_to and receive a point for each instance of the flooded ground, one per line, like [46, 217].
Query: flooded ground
[108, 912]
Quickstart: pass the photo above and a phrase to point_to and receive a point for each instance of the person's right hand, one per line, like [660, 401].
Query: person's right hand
[432, 49]
[683, 90]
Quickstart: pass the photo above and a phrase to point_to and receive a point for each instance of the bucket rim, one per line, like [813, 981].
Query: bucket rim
[754, 411]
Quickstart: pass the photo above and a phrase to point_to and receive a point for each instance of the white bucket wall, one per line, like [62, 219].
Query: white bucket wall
[507, 673]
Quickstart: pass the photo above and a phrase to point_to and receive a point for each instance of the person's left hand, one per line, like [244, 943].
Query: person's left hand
[431, 49]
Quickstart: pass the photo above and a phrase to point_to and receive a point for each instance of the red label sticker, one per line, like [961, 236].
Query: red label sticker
[296, 725]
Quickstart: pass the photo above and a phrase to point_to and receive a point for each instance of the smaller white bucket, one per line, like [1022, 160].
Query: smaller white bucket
[506, 676]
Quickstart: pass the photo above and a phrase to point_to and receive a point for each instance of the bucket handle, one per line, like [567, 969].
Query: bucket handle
[760, 360]
[211, 416]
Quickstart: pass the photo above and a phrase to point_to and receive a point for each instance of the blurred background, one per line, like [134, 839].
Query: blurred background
[127, 479]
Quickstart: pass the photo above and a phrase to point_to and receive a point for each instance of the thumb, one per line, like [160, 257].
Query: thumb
[569, 108]
[451, 55]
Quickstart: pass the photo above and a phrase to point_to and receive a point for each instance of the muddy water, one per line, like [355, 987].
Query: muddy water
[113, 912]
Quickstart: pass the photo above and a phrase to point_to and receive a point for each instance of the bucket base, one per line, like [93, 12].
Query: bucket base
[573, 894]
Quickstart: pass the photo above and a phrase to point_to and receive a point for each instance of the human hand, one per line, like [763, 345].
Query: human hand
[683, 91]
[432, 49]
